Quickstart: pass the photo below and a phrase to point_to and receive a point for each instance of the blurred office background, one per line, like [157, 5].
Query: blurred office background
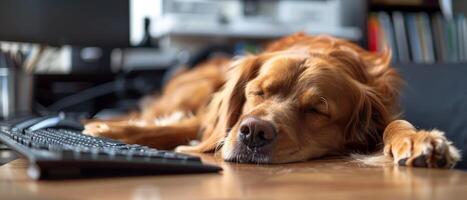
[134, 45]
[94, 56]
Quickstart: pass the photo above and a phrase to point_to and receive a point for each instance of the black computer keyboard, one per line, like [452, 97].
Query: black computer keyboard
[64, 153]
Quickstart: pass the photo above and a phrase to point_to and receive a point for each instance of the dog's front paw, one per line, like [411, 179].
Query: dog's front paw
[187, 149]
[97, 129]
[423, 149]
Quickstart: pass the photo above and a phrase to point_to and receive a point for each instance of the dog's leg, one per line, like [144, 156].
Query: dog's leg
[119, 119]
[419, 148]
[161, 137]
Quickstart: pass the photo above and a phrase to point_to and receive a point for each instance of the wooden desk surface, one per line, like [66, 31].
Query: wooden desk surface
[319, 179]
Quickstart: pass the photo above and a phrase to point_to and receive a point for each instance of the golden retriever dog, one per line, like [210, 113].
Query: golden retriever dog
[304, 97]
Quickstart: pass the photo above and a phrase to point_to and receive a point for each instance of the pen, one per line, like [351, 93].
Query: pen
[19, 60]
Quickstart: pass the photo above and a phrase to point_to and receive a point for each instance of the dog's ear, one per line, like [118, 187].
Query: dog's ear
[377, 100]
[226, 106]
[242, 72]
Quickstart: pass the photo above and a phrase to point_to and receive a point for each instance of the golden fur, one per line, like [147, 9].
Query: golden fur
[321, 95]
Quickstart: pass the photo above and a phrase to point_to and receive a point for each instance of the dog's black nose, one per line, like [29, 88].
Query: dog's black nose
[256, 133]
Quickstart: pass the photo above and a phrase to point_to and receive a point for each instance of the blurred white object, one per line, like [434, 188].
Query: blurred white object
[446, 8]
[277, 19]
[16, 92]
[317, 13]
[246, 29]
[54, 60]
[147, 58]
[6, 90]
[225, 19]
[140, 9]
[91, 54]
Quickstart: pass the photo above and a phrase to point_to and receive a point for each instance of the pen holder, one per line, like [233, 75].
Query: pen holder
[16, 92]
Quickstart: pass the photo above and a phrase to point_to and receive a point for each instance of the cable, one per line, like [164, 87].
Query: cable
[88, 94]
[40, 109]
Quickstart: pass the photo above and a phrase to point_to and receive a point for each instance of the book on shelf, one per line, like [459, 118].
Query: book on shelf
[414, 38]
[440, 37]
[401, 37]
[373, 33]
[461, 37]
[451, 41]
[426, 38]
[388, 33]
[419, 37]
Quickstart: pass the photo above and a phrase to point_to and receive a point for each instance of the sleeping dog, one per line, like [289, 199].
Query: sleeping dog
[304, 97]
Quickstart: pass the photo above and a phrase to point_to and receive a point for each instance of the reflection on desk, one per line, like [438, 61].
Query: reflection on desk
[317, 179]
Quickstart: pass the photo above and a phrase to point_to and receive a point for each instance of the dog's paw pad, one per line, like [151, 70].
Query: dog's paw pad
[424, 149]
[420, 161]
[402, 161]
[442, 162]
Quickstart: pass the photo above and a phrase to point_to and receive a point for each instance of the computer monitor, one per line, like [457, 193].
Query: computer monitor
[103, 23]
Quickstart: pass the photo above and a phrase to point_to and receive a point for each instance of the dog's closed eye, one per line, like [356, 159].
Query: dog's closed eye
[257, 92]
[321, 108]
[313, 110]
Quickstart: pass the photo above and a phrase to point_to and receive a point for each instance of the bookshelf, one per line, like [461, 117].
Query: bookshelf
[417, 32]
[430, 8]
